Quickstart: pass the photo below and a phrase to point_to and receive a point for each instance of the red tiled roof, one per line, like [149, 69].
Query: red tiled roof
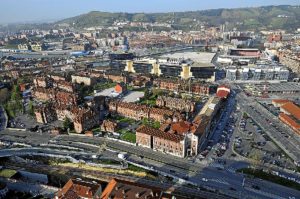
[158, 133]
[289, 121]
[117, 189]
[181, 127]
[223, 91]
[74, 189]
[293, 109]
[280, 101]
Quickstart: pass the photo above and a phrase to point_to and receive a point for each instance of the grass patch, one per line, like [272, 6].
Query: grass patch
[270, 177]
[245, 115]
[109, 162]
[96, 129]
[128, 136]
[126, 120]
[130, 171]
[102, 86]
[7, 173]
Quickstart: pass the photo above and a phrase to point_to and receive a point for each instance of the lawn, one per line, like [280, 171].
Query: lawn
[7, 173]
[97, 129]
[126, 120]
[128, 136]
[270, 177]
[102, 86]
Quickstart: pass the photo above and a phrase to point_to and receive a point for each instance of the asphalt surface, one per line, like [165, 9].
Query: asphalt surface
[290, 145]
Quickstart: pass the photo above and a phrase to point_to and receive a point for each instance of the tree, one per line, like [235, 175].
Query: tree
[147, 94]
[30, 108]
[156, 125]
[68, 123]
[15, 95]
[4, 95]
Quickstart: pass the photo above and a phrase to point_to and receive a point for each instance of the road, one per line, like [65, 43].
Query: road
[108, 176]
[220, 180]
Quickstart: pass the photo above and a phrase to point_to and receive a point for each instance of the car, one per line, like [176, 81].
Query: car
[204, 179]
[256, 187]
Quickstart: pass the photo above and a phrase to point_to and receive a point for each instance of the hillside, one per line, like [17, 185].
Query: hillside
[270, 17]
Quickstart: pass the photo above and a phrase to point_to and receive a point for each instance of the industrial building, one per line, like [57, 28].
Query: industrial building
[257, 73]
[167, 67]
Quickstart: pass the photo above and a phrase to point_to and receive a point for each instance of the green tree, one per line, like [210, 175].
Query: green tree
[68, 123]
[30, 108]
[156, 125]
[147, 94]
[4, 95]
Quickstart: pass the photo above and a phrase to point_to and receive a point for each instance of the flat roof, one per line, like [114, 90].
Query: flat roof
[280, 87]
[198, 57]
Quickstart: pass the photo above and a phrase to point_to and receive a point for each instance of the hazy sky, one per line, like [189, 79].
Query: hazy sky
[39, 10]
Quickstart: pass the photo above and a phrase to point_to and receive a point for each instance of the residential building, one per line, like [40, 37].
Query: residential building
[109, 126]
[176, 103]
[138, 111]
[158, 140]
[85, 79]
[85, 119]
[119, 189]
[78, 188]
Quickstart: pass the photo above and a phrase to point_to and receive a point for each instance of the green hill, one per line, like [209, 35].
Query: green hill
[243, 18]
[255, 18]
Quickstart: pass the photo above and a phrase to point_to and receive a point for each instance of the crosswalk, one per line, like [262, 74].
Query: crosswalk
[220, 181]
[218, 165]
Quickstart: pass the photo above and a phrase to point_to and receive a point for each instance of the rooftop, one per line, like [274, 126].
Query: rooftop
[293, 109]
[158, 133]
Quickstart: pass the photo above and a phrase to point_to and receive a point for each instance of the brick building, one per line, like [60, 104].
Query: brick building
[43, 82]
[85, 79]
[109, 126]
[59, 96]
[160, 115]
[181, 138]
[115, 189]
[139, 111]
[160, 141]
[85, 119]
[168, 84]
[77, 188]
[45, 113]
[117, 77]
[182, 86]
[176, 103]
[64, 85]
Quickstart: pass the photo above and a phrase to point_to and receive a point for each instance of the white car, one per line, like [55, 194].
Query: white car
[204, 179]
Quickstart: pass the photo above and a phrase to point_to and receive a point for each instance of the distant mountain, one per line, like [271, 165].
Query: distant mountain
[267, 17]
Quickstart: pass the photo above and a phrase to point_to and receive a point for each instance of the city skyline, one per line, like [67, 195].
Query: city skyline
[34, 10]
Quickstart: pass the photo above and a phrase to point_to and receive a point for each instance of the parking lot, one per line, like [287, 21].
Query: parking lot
[133, 96]
[251, 142]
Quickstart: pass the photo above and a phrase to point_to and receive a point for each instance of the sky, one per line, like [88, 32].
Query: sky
[14, 11]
